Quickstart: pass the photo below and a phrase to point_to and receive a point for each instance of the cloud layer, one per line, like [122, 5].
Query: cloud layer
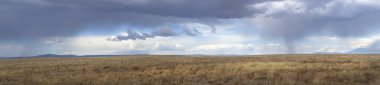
[45, 18]
[262, 26]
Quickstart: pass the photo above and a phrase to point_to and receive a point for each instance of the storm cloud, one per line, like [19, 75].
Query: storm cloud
[21, 19]
[45, 22]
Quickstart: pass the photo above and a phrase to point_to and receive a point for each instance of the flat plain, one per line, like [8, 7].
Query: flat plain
[194, 70]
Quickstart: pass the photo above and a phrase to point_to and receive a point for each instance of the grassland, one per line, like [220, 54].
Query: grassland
[194, 70]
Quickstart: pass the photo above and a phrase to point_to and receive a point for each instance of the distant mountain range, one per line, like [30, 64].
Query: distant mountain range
[364, 51]
[54, 55]
[373, 48]
[355, 51]
[64, 56]
[68, 56]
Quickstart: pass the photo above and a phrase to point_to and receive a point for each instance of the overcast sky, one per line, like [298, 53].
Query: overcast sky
[246, 27]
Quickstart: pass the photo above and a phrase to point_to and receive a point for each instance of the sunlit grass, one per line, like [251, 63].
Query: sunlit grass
[194, 70]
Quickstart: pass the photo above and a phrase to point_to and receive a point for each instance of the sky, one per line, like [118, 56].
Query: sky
[187, 27]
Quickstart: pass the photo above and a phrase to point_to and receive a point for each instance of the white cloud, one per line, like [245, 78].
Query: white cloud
[271, 48]
[325, 49]
[99, 45]
[364, 41]
[324, 38]
[168, 47]
[224, 49]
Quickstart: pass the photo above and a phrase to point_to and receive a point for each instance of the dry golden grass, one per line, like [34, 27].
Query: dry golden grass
[193, 70]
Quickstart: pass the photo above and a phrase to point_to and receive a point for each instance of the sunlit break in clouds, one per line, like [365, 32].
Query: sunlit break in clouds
[188, 27]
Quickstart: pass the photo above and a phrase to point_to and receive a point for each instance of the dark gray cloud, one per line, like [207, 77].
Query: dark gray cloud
[192, 32]
[45, 18]
[293, 20]
[178, 8]
[165, 32]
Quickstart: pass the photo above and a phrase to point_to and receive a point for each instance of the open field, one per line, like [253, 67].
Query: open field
[194, 70]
